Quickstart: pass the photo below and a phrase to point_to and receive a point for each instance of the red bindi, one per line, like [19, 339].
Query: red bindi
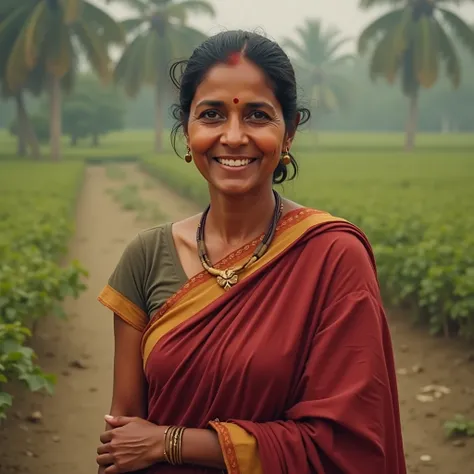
[236, 101]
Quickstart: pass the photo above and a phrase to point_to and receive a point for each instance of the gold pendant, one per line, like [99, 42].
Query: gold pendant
[227, 279]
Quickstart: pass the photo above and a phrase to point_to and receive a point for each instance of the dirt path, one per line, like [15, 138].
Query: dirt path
[66, 440]
[80, 351]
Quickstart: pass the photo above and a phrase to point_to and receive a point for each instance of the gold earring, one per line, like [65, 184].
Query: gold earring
[188, 157]
[286, 159]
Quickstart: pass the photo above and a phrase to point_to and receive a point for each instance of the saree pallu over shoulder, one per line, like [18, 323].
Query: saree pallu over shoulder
[292, 367]
[202, 290]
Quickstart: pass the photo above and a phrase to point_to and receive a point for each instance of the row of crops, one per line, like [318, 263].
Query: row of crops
[417, 210]
[36, 222]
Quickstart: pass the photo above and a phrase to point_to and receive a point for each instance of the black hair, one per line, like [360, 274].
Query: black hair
[186, 75]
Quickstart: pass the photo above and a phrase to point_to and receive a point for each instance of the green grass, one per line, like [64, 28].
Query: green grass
[383, 142]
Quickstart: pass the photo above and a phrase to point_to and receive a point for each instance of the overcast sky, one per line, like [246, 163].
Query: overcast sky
[278, 18]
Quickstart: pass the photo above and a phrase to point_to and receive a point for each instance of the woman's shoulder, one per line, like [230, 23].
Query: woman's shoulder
[338, 237]
[151, 235]
[148, 241]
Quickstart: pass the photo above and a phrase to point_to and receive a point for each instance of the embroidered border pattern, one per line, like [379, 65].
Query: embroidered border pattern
[292, 217]
[228, 448]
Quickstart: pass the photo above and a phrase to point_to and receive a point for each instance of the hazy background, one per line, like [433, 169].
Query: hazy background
[279, 18]
[370, 106]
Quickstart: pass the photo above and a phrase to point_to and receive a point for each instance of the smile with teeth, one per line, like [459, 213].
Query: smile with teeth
[235, 163]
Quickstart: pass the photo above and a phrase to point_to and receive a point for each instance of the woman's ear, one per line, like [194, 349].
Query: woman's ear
[288, 141]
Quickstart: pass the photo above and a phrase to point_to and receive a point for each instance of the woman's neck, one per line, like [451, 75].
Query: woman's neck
[236, 220]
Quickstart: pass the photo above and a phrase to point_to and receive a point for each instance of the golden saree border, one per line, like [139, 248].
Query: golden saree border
[239, 448]
[202, 289]
[123, 307]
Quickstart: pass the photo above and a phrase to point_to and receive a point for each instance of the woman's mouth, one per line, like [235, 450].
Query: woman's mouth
[235, 162]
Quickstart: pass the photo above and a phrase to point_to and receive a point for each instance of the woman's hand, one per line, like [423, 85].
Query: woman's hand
[132, 444]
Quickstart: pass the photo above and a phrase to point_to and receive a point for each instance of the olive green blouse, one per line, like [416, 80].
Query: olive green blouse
[149, 270]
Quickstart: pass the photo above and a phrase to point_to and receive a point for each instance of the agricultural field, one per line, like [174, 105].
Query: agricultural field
[36, 222]
[417, 210]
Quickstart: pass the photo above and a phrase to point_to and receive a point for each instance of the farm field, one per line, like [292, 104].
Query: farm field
[418, 211]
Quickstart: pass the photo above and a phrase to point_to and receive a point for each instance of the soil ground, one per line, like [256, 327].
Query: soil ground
[80, 351]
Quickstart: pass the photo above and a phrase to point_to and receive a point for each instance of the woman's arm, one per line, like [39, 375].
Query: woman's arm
[129, 386]
[129, 397]
[200, 447]
[138, 443]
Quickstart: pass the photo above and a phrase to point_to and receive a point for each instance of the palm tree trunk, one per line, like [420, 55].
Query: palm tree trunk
[412, 121]
[21, 139]
[55, 128]
[159, 97]
[26, 131]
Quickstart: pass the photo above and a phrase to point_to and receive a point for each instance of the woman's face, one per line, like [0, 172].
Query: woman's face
[236, 129]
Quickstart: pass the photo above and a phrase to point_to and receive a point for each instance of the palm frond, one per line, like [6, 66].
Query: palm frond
[98, 19]
[342, 60]
[294, 49]
[448, 55]
[337, 45]
[184, 39]
[72, 10]
[140, 6]
[94, 47]
[382, 63]
[59, 51]
[184, 8]
[131, 24]
[16, 68]
[379, 27]
[34, 34]
[17, 17]
[152, 57]
[129, 69]
[425, 52]
[461, 29]
[10, 6]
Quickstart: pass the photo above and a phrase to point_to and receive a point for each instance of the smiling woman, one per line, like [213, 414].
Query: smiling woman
[250, 338]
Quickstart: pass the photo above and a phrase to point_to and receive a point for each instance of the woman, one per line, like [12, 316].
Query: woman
[250, 338]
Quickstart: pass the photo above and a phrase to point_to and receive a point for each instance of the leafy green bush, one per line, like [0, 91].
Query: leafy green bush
[416, 210]
[460, 426]
[36, 213]
[40, 123]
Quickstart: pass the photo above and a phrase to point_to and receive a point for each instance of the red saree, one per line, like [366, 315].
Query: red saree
[295, 361]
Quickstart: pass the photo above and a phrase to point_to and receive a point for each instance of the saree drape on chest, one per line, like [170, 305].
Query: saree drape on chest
[293, 367]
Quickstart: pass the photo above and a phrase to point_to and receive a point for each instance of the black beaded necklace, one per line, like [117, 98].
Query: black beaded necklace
[229, 277]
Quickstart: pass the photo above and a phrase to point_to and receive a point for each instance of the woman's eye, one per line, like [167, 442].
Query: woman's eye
[259, 115]
[210, 114]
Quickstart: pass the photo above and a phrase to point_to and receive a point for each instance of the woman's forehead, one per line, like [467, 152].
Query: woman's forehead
[235, 81]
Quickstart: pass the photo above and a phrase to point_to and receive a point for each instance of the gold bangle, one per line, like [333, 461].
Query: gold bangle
[165, 451]
[173, 445]
[180, 445]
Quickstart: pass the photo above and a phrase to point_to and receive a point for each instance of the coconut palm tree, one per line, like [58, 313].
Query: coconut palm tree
[318, 60]
[411, 41]
[158, 33]
[26, 132]
[50, 36]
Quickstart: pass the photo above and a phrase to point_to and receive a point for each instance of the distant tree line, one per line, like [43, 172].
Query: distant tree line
[43, 42]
